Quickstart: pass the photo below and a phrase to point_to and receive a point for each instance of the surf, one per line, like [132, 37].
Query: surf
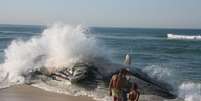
[183, 37]
[72, 49]
[56, 47]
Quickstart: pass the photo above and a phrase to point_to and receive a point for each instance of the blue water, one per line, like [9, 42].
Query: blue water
[148, 47]
[151, 47]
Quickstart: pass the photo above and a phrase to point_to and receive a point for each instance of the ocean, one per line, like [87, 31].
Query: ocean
[175, 60]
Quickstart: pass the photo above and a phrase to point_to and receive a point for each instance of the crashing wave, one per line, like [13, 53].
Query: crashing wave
[184, 37]
[190, 91]
[56, 47]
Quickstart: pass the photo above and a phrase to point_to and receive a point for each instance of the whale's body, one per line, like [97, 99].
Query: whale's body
[81, 73]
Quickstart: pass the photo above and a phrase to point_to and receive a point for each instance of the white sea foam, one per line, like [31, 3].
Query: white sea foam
[158, 72]
[65, 87]
[184, 37]
[57, 46]
[190, 91]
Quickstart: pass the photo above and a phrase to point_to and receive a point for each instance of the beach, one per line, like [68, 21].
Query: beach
[29, 93]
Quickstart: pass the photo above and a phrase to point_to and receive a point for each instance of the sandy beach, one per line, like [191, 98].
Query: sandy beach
[29, 93]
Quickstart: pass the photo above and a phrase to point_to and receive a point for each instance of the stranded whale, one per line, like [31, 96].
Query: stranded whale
[81, 73]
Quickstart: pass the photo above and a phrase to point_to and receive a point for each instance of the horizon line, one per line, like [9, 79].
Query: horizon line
[96, 26]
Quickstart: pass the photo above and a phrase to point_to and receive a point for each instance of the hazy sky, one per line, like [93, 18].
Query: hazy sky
[120, 13]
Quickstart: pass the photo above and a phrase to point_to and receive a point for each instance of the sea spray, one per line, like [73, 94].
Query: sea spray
[160, 72]
[184, 37]
[57, 46]
[190, 91]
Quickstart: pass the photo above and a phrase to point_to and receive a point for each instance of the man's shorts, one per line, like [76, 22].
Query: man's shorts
[116, 92]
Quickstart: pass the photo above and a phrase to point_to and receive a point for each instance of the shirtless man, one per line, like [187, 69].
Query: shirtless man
[116, 85]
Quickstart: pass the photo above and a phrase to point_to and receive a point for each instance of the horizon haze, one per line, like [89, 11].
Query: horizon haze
[104, 13]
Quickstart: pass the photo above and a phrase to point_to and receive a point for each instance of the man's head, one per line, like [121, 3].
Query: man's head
[123, 71]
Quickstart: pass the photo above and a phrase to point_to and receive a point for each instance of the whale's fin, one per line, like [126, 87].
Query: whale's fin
[127, 60]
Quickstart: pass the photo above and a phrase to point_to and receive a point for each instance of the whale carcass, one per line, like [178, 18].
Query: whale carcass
[89, 72]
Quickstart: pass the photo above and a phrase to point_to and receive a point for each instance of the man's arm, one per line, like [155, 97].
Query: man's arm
[129, 96]
[111, 82]
[110, 86]
[138, 95]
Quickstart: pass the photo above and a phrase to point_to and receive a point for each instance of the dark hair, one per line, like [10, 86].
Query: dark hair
[123, 71]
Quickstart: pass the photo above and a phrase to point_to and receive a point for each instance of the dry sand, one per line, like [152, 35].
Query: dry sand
[29, 93]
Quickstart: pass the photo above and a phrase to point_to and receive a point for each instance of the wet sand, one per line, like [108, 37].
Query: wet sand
[29, 93]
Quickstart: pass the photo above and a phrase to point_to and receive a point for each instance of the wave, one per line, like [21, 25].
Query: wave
[190, 91]
[57, 46]
[162, 73]
[158, 72]
[184, 37]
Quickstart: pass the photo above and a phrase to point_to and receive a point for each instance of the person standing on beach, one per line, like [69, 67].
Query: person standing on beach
[134, 93]
[126, 85]
[116, 85]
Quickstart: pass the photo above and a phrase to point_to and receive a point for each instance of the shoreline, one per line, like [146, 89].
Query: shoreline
[30, 93]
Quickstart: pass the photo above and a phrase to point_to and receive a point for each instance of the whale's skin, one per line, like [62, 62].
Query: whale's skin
[82, 72]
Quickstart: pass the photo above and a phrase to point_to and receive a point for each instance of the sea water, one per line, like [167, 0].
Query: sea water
[176, 61]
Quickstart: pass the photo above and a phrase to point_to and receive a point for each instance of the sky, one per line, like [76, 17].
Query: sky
[112, 13]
